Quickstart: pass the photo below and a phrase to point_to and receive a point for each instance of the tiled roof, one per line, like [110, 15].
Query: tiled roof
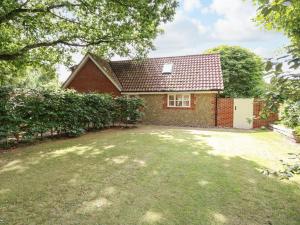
[190, 73]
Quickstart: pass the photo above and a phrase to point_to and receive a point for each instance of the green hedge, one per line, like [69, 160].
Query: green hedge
[26, 114]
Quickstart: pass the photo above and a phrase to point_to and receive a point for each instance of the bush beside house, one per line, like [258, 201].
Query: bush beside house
[242, 71]
[26, 114]
[284, 91]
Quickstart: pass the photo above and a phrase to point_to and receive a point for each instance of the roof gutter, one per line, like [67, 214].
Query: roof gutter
[168, 92]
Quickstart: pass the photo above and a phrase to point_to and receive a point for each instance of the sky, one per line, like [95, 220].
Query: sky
[202, 24]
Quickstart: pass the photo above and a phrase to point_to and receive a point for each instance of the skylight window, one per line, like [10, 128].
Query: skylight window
[167, 68]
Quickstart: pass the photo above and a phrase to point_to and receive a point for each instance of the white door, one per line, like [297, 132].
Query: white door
[243, 113]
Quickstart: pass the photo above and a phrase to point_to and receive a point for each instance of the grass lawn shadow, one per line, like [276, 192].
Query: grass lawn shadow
[149, 175]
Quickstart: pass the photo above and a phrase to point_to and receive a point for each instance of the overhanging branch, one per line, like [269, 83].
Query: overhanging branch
[22, 51]
[15, 12]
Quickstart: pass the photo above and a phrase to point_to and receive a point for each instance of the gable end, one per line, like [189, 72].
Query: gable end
[81, 65]
[88, 77]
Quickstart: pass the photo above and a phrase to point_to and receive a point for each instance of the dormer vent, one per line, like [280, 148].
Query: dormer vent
[167, 68]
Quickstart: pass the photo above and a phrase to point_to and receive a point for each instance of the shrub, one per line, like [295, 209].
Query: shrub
[291, 114]
[128, 110]
[289, 169]
[26, 114]
[98, 110]
[297, 131]
[285, 92]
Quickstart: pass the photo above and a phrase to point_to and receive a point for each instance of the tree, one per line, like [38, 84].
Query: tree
[242, 71]
[39, 78]
[282, 16]
[42, 33]
[283, 91]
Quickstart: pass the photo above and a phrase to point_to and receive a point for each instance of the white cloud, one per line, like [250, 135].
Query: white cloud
[263, 52]
[181, 36]
[226, 22]
[267, 52]
[231, 24]
[236, 21]
[190, 5]
[63, 71]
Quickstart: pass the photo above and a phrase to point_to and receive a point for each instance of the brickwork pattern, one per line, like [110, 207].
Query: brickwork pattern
[225, 112]
[257, 121]
[91, 79]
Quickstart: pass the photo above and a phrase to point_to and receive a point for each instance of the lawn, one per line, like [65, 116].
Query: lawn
[150, 175]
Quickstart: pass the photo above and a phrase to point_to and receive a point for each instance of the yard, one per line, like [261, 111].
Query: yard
[150, 175]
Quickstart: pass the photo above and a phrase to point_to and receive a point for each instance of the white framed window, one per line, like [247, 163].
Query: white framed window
[179, 100]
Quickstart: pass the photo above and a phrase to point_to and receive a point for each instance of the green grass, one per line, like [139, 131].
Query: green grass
[149, 175]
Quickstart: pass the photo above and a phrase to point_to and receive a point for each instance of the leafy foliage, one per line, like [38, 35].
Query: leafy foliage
[128, 109]
[242, 71]
[282, 16]
[41, 33]
[291, 114]
[27, 113]
[289, 169]
[35, 78]
[297, 131]
[286, 92]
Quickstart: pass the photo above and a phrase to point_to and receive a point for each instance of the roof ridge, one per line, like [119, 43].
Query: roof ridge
[191, 72]
[111, 73]
[164, 57]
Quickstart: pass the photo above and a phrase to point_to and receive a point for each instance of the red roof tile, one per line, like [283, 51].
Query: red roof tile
[190, 73]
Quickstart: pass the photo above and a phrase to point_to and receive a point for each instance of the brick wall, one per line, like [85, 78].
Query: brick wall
[225, 112]
[257, 121]
[91, 79]
[201, 113]
[203, 106]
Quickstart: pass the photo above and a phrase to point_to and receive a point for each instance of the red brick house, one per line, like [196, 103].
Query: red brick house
[179, 90]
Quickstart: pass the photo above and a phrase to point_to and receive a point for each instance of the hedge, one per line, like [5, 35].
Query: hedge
[26, 114]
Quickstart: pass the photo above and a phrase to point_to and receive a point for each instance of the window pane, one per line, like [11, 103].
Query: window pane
[186, 103]
[178, 103]
[171, 103]
[178, 97]
[186, 97]
[179, 100]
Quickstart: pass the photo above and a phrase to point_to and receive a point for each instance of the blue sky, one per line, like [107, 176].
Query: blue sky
[202, 24]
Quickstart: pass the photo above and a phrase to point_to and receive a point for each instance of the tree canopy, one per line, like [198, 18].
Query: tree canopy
[42, 33]
[282, 16]
[242, 71]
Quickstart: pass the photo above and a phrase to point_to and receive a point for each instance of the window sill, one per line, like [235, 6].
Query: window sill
[183, 108]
